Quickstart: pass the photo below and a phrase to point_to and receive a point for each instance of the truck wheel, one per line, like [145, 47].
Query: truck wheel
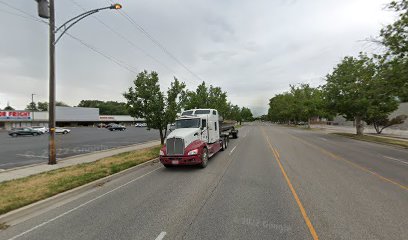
[223, 144]
[167, 165]
[204, 158]
[226, 142]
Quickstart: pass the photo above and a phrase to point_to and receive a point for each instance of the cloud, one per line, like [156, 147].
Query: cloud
[252, 49]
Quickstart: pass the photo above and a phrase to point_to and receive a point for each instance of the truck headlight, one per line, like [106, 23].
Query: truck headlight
[193, 152]
[161, 153]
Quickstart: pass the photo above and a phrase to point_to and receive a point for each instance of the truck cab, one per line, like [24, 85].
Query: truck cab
[197, 136]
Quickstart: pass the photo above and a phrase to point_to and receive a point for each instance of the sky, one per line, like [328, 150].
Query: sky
[251, 49]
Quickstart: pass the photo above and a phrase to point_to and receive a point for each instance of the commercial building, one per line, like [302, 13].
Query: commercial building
[65, 117]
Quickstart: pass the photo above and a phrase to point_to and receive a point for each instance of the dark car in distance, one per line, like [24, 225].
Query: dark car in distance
[116, 127]
[24, 132]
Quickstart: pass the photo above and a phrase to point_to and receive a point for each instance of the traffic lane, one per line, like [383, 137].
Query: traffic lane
[252, 200]
[162, 200]
[389, 162]
[343, 201]
[21, 151]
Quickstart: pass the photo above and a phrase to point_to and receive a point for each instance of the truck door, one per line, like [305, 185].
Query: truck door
[204, 130]
[212, 131]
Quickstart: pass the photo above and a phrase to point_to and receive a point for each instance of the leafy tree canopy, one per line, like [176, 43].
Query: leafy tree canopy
[145, 100]
[106, 108]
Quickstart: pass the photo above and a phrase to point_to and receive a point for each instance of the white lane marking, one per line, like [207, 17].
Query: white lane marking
[82, 205]
[396, 159]
[324, 139]
[161, 236]
[232, 150]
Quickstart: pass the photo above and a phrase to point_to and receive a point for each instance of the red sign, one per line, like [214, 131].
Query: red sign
[15, 115]
[106, 118]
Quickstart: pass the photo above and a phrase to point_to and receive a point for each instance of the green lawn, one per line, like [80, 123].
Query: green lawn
[20, 192]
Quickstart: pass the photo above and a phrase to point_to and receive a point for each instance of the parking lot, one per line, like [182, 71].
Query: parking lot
[25, 150]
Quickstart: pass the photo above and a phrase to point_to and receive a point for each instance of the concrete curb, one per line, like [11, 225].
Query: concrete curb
[34, 209]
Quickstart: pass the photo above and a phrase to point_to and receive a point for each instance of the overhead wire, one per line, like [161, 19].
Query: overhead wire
[29, 16]
[155, 41]
[131, 43]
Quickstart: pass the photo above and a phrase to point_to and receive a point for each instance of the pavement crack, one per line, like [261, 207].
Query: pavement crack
[207, 198]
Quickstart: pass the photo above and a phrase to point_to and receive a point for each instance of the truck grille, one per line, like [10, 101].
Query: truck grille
[175, 146]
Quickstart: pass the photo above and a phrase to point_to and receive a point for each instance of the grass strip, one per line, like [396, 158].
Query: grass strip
[21, 192]
[375, 139]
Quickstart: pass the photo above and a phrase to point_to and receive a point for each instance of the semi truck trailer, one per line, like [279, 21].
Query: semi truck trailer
[198, 135]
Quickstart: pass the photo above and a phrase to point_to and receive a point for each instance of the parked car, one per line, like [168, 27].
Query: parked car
[24, 132]
[62, 130]
[101, 125]
[140, 125]
[116, 127]
[40, 128]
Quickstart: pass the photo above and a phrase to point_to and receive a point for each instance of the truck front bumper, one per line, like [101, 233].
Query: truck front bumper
[180, 160]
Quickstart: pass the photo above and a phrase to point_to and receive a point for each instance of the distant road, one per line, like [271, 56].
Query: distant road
[271, 183]
[27, 150]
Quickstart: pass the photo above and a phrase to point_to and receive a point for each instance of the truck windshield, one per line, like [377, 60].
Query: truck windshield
[188, 123]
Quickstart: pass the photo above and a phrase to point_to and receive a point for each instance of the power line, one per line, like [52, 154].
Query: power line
[111, 58]
[92, 48]
[126, 39]
[156, 42]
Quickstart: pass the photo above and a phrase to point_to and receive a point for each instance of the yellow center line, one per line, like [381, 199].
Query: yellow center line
[292, 189]
[337, 157]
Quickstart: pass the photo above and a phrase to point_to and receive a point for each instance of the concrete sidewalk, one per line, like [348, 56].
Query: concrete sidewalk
[70, 161]
[387, 133]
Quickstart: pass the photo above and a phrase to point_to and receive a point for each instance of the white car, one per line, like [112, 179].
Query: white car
[62, 130]
[40, 129]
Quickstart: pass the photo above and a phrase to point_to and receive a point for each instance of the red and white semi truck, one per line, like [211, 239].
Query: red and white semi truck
[198, 135]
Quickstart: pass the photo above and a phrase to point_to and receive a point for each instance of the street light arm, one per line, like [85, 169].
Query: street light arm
[71, 22]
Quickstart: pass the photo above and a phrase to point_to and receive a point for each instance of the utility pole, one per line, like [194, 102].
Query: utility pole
[32, 110]
[52, 158]
[46, 9]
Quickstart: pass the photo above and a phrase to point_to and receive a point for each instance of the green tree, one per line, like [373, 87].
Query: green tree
[42, 106]
[145, 100]
[382, 122]
[207, 97]
[246, 114]
[357, 89]
[9, 108]
[32, 106]
[106, 108]
[395, 38]
[281, 108]
[61, 104]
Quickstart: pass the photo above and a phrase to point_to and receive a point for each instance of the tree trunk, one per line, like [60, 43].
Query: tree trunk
[377, 128]
[359, 125]
[161, 136]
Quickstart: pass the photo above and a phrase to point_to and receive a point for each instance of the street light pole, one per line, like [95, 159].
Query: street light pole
[32, 110]
[52, 158]
[47, 10]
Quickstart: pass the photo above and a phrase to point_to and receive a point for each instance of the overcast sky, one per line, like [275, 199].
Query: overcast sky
[251, 49]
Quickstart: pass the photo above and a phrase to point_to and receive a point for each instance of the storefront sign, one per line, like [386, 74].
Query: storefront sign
[105, 118]
[13, 115]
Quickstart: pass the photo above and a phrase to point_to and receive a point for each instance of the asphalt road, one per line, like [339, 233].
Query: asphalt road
[271, 183]
[25, 150]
